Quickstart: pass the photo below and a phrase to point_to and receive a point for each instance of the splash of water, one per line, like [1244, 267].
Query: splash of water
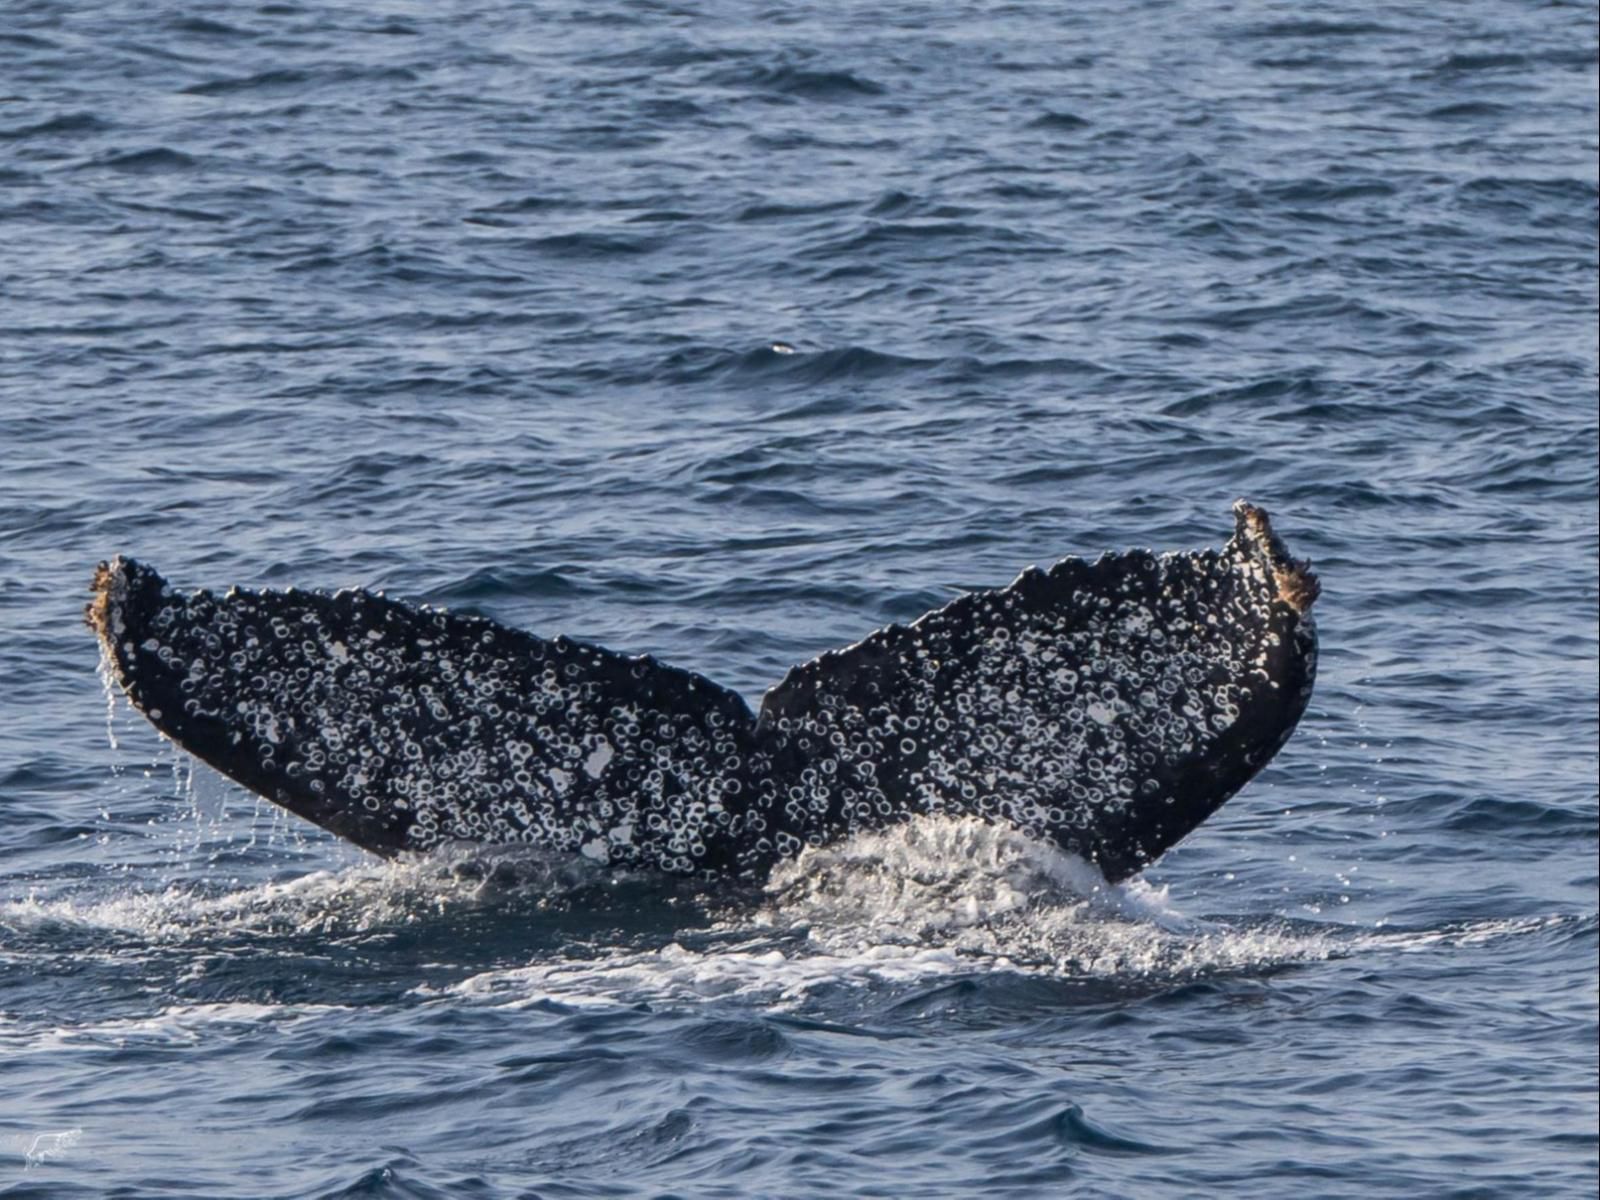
[935, 898]
[353, 900]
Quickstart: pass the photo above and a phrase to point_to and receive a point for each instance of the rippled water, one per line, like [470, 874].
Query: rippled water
[491, 305]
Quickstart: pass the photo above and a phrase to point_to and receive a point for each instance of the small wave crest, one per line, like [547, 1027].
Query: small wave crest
[172, 1025]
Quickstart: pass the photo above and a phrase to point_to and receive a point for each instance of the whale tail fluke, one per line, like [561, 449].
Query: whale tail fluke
[1106, 706]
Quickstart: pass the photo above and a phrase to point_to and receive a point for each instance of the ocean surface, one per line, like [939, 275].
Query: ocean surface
[728, 332]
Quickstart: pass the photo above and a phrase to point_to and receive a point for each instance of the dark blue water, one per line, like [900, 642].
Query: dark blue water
[477, 303]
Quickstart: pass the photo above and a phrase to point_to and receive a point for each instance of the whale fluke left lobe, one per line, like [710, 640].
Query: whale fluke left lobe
[399, 727]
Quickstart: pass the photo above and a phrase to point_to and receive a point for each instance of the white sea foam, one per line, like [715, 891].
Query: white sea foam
[936, 898]
[1467, 933]
[351, 900]
[933, 899]
[177, 1024]
[754, 972]
[938, 874]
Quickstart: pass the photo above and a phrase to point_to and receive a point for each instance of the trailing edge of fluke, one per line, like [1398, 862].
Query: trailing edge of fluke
[1106, 706]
